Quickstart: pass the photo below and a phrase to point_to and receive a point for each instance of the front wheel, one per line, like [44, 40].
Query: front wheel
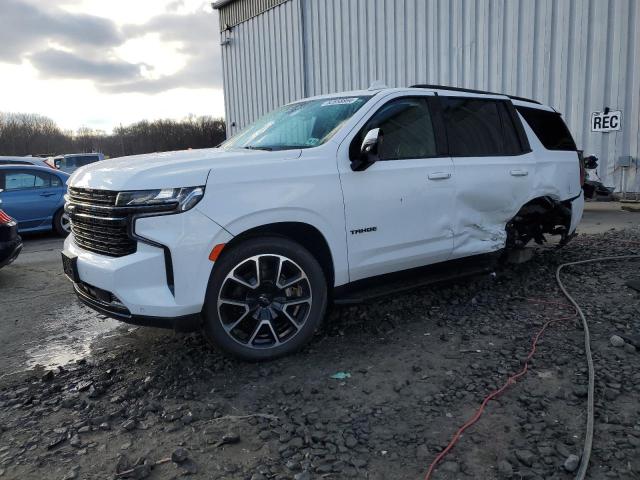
[266, 297]
[61, 223]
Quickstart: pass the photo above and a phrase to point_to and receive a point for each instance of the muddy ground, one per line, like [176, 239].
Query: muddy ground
[419, 365]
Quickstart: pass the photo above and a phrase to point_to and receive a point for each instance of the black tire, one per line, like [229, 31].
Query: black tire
[263, 254]
[59, 222]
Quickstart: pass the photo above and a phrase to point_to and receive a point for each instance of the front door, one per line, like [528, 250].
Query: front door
[398, 211]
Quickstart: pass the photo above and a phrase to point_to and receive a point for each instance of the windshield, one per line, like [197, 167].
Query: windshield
[298, 125]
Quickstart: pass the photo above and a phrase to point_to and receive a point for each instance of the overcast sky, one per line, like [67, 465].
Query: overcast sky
[99, 63]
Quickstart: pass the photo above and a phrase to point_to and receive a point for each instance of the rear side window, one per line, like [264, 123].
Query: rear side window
[511, 144]
[480, 127]
[549, 128]
[82, 161]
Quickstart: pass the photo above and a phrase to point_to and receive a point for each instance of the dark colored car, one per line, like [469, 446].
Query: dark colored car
[71, 162]
[10, 241]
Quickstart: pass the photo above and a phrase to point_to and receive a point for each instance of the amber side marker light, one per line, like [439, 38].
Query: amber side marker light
[216, 251]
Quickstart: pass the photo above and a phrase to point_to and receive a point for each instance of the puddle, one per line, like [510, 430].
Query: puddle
[67, 336]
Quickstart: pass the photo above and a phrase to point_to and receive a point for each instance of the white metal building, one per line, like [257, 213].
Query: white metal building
[579, 56]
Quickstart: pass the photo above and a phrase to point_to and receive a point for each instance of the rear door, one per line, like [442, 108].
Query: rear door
[29, 196]
[494, 170]
[398, 211]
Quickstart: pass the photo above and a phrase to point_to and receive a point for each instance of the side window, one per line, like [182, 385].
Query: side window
[510, 138]
[473, 126]
[82, 161]
[55, 181]
[407, 129]
[25, 180]
[549, 128]
[19, 181]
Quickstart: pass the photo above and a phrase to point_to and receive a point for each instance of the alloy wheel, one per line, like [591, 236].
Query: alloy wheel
[264, 301]
[65, 222]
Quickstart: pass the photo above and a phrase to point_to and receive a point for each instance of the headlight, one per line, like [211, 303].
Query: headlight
[183, 198]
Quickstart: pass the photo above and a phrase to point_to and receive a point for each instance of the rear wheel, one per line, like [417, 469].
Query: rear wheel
[266, 297]
[61, 223]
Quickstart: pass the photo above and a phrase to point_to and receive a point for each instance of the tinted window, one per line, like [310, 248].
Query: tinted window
[510, 139]
[22, 180]
[82, 161]
[473, 126]
[407, 131]
[549, 128]
[55, 181]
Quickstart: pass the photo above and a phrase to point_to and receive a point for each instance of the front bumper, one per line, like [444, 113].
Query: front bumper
[136, 288]
[184, 323]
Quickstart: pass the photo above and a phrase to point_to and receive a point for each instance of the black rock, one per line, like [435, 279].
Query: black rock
[179, 455]
[525, 456]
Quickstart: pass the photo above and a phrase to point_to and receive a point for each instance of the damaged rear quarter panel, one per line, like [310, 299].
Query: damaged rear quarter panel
[557, 173]
[488, 196]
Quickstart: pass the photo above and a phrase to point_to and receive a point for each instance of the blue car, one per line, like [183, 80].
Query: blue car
[34, 197]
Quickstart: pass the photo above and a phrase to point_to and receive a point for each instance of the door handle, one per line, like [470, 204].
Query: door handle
[47, 194]
[439, 175]
[519, 173]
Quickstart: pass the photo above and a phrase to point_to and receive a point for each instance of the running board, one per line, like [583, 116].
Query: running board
[375, 288]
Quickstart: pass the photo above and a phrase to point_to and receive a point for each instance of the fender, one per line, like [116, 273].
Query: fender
[335, 239]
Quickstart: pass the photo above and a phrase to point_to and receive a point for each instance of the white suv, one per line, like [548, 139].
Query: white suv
[249, 241]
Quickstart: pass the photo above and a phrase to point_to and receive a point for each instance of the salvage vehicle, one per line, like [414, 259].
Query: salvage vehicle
[10, 241]
[34, 197]
[252, 240]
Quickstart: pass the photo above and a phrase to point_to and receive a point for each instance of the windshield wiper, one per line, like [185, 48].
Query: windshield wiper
[254, 147]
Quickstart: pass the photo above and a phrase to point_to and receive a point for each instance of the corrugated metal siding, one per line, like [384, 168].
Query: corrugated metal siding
[262, 64]
[578, 56]
[242, 10]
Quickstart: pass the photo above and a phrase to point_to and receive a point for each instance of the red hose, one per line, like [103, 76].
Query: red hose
[510, 381]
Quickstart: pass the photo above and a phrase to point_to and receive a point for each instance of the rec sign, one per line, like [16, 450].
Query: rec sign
[607, 121]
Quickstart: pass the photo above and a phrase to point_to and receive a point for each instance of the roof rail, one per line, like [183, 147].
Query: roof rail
[469, 90]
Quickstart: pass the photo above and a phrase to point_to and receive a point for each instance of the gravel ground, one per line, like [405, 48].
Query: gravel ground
[419, 365]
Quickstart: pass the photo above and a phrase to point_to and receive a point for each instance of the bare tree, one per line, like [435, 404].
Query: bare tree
[31, 134]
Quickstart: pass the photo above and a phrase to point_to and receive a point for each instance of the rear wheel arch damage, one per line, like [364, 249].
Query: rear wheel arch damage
[539, 216]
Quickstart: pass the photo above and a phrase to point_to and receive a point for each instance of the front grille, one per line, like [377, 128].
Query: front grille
[97, 224]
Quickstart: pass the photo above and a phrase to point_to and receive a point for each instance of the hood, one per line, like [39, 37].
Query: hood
[187, 168]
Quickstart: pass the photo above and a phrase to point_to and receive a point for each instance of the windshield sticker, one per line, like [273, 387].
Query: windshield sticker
[340, 101]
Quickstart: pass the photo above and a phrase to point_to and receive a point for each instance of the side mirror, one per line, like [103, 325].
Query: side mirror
[368, 151]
